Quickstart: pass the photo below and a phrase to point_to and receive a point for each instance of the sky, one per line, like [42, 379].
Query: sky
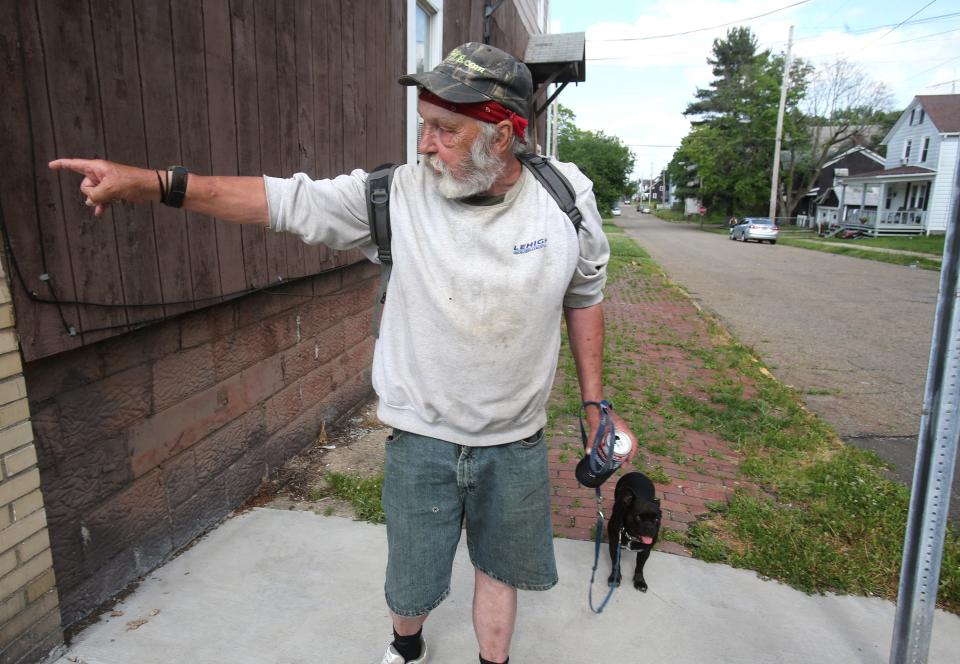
[637, 87]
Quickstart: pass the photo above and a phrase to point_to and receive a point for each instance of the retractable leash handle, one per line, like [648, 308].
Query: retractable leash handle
[594, 468]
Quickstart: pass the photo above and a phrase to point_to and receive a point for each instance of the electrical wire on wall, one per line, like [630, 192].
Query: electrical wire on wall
[73, 330]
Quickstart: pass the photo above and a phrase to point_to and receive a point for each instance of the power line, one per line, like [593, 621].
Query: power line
[937, 85]
[773, 43]
[833, 12]
[937, 65]
[712, 27]
[856, 31]
[859, 31]
[821, 57]
[660, 55]
[902, 41]
[828, 56]
[935, 34]
[902, 22]
[846, 30]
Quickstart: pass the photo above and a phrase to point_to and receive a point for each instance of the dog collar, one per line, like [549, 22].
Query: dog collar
[628, 541]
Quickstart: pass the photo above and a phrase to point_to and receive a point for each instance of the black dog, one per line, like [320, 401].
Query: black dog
[634, 524]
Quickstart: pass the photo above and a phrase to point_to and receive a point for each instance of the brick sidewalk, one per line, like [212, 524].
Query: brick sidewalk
[654, 316]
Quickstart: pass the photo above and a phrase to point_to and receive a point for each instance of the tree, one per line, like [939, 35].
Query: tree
[732, 60]
[728, 153]
[841, 107]
[604, 159]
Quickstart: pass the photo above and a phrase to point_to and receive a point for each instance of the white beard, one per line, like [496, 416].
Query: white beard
[479, 169]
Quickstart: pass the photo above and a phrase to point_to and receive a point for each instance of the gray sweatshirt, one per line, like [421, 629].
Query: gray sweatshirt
[471, 326]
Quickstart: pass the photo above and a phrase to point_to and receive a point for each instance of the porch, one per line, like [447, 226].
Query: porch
[907, 222]
[892, 202]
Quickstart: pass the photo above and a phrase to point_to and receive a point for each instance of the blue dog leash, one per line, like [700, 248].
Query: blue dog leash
[596, 558]
[600, 466]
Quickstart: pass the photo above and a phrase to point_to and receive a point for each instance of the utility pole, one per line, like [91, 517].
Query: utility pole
[651, 185]
[785, 83]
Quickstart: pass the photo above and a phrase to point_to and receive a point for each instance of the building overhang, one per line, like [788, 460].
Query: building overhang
[888, 178]
[556, 58]
[902, 174]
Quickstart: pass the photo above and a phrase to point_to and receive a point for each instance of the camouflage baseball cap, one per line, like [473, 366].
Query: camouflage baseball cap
[476, 72]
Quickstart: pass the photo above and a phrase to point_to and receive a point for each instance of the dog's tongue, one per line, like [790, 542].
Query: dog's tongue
[646, 539]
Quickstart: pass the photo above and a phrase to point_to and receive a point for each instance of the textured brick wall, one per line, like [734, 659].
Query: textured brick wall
[29, 613]
[147, 440]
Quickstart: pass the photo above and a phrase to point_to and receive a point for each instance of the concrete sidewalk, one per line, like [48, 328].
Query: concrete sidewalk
[289, 587]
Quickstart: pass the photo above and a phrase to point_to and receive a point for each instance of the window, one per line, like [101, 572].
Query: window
[926, 149]
[424, 38]
[912, 114]
[922, 115]
[917, 199]
[906, 150]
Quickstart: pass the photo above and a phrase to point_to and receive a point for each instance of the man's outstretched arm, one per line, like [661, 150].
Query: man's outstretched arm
[585, 327]
[239, 199]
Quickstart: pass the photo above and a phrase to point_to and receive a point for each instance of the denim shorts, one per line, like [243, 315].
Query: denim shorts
[432, 487]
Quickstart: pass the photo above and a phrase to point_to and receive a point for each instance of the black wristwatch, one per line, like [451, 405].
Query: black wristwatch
[177, 186]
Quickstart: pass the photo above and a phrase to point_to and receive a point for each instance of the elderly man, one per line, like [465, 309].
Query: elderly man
[484, 263]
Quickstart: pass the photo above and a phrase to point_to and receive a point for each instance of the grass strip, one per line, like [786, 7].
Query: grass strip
[883, 257]
[924, 244]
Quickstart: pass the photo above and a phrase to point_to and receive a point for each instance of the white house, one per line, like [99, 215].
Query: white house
[913, 193]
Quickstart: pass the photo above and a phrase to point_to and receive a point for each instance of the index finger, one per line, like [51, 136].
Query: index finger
[84, 166]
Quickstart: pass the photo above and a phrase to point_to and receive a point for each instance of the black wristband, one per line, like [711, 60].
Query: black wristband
[177, 188]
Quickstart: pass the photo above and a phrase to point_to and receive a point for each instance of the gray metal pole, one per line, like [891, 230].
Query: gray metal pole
[936, 458]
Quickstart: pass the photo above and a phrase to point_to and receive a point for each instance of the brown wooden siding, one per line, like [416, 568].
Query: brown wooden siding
[223, 86]
[463, 22]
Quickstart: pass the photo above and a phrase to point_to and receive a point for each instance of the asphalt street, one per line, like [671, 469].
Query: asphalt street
[851, 335]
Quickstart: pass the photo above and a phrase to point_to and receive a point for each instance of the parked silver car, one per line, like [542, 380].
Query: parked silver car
[761, 229]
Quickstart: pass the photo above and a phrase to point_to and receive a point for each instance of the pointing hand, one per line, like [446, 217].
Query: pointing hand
[105, 182]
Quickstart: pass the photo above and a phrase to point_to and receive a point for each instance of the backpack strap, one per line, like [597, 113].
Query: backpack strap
[556, 184]
[378, 216]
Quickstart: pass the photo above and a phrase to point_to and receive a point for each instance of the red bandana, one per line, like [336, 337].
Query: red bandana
[485, 111]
